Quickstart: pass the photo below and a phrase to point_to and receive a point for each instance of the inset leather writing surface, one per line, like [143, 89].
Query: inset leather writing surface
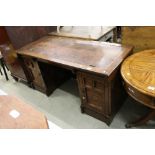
[93, 56]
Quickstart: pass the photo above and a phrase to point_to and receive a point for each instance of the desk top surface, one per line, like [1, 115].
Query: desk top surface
[138, 70]
[84, 32]
[16, 114]
[93, 56]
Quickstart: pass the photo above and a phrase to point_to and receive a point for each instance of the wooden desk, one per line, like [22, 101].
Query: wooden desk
[138, 74]
[96, 33]
[51, 60]
[15, 114]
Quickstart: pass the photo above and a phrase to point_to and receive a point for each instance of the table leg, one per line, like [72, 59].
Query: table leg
[3, 66]
[141, 121]
[1, 72]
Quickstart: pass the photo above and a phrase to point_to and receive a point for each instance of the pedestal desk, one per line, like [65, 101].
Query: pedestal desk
[51, 60]
[138, 72]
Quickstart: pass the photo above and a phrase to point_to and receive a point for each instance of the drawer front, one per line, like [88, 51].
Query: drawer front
[92, 91]
[34, 71]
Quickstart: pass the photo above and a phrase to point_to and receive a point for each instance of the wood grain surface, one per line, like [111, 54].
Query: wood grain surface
[93, 56]
[15, 114]
[141, 37]
[138, 71]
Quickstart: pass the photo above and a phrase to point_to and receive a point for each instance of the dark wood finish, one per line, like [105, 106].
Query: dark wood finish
[42, 76]
[23, 35]
[91, 56]
[101, 96]
[96, 65]
[10, 57]
[19, 36]
[142, 120]
[3, 35]
[15, 114]
[138, 74]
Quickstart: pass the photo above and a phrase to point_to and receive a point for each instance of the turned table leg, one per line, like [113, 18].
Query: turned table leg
[1, 72]
[3, 66]
[141, 121]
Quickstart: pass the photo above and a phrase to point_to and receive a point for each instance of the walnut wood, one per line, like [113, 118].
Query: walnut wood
[138, 74]
[22, 35]
[10, 57]
[101, 97]
[3, 35]
[29, 118]
[92, 56]
[51, 60]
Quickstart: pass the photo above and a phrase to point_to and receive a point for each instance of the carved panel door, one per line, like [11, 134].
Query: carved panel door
[93, 93]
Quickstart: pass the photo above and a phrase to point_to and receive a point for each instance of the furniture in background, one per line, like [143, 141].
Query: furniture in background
[4, 67]
[15, 114]
[96, 33]
[10, 57]
[138, 72]
[23, 35]
[14, 37]
[141, 37]
[51, 60]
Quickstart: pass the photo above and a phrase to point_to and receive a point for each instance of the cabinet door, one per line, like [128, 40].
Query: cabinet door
[92, 92]
[34, 72]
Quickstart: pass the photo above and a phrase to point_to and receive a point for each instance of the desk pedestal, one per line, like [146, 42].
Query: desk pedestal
[101, 97]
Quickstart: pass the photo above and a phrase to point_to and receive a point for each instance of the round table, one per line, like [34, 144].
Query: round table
[138, 72]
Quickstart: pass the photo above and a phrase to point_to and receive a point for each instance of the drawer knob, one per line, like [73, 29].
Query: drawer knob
[83, 97]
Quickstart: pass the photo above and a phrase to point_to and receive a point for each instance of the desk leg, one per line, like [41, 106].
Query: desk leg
[141, 121]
